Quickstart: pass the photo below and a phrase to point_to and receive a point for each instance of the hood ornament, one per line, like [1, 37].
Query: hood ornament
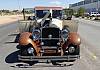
[50, 36]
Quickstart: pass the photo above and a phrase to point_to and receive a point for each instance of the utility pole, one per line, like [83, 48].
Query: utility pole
[97, 5]
[97, 8]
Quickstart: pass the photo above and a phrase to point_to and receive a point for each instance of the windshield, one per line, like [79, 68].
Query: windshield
[42, 13]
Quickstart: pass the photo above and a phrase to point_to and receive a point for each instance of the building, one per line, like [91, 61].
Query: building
[88, 5]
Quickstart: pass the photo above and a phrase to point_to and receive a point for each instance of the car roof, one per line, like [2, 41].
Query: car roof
[47, 8]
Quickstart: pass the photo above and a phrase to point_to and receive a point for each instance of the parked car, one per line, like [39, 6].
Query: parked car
[86, 14]
[66, 17]
[47, 39]
[94, 14]
[67, 14]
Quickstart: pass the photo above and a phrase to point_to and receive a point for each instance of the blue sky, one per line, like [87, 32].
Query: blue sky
[19, 4]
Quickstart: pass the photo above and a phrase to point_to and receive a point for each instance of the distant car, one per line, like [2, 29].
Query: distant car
[67, 17]
[86, 14]
[94, 14]
[31, 18]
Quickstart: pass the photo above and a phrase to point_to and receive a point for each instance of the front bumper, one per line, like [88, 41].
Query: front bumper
[48, 58]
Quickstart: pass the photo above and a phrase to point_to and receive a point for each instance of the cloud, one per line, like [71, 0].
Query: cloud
[56, 2]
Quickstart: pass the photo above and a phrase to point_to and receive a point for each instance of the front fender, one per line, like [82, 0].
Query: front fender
[74, 38]
[24, 38]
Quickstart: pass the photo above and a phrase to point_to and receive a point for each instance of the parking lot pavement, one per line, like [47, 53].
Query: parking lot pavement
[90, 49]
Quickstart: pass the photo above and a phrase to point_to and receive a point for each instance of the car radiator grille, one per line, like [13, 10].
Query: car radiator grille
[50, 36]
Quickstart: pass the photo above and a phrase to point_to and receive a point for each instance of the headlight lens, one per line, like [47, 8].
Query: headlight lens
[71, 49]
[36, 34]
[30, 50]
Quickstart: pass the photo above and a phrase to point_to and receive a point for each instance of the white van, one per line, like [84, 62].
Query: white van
[94, 14]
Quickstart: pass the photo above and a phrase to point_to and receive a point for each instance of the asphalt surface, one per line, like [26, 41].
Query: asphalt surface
[90, 49]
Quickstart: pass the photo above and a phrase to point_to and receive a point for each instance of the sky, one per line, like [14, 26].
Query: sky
[19, 4]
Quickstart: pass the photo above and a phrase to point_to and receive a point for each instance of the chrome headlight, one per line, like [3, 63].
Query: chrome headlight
[65, 33]
[36, 34]
[71, 49]
[30, 50]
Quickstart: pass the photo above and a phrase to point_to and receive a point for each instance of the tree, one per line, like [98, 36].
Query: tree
[15, 11]
[5, 11]
[81, 11]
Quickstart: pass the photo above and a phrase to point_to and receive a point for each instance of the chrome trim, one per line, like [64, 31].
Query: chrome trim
[48, 58]
[50, 38]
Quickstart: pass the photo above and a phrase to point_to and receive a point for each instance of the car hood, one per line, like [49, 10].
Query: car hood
[56, 22]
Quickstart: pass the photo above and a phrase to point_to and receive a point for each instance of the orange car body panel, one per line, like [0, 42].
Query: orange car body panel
[74, 38]
[24, 37]
[25, 40]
